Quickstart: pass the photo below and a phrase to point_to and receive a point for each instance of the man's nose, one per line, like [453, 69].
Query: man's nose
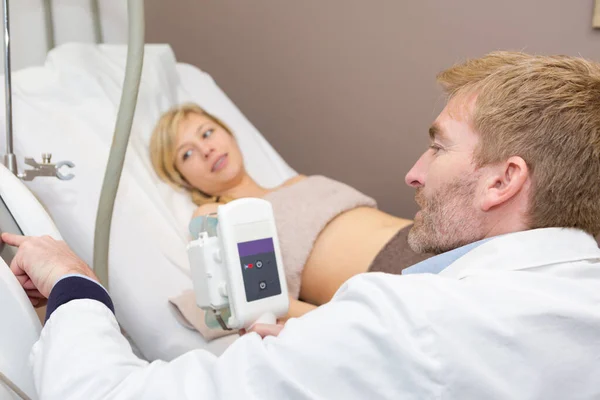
[416, 176]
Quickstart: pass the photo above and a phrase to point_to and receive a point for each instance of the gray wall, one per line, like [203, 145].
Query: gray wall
[346, 88]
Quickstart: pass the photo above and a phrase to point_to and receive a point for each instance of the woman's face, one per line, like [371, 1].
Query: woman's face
[207, 156]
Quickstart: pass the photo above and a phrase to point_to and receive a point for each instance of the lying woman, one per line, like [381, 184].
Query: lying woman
[328, 231]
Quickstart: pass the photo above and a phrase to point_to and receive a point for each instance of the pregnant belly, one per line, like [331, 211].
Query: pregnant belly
[346, 247]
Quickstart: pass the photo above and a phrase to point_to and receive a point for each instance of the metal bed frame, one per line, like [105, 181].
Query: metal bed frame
[9, 159]
[135, 55]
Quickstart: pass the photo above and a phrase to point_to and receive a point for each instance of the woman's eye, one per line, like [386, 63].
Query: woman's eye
[207, 133]
[186, 155]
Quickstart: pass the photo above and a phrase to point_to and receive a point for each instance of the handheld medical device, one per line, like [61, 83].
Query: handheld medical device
[236, 265]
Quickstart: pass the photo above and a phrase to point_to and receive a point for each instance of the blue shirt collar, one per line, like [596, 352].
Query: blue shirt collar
[437, 264]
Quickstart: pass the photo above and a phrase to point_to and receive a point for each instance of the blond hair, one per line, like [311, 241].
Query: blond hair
[545, 109]
[162, 150]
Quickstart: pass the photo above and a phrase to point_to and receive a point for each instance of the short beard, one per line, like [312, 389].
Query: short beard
[447, 219]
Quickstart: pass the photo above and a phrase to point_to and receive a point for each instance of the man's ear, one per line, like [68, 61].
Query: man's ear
[504, 182]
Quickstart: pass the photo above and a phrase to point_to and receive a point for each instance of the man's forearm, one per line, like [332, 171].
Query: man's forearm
[76, 287]
[82, 354]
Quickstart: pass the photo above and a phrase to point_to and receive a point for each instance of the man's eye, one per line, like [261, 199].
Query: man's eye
[435, 148]
[207, 133]
[186, 155]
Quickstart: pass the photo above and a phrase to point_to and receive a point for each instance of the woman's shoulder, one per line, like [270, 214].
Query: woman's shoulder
[293, 180]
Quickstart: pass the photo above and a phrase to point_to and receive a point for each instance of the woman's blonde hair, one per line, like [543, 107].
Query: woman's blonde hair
[162, 150]
[546, 110]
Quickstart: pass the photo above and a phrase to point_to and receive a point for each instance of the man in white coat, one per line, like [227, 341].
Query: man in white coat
[509, 192]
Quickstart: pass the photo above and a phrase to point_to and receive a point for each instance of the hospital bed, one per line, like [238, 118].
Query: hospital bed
[67, 107]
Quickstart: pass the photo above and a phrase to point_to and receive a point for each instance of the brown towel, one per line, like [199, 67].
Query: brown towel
[191, 316]
[397, 255]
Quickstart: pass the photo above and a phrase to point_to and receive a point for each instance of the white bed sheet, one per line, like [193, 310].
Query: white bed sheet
[68, 107]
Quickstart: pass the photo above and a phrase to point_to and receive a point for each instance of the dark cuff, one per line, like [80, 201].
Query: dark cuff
[74, 288]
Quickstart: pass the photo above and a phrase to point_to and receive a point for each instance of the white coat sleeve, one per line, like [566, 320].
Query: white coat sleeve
[361, 345]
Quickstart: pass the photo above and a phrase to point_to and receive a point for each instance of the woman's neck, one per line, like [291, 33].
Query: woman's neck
[246, 187]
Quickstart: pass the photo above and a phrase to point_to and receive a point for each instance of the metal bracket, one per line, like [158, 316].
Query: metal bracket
[46, 168]
[220, 320]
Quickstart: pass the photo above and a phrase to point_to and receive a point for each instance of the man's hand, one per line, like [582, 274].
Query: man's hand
[297, 309]
[40, 262]
[263, 330]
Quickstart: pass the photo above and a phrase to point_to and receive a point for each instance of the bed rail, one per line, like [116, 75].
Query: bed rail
[135, 55]
[9, 159]
[49, 22]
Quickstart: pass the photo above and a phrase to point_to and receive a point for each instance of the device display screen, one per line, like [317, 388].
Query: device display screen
[259, 269]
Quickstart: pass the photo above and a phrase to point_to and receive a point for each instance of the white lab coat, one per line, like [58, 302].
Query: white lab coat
[516, 318]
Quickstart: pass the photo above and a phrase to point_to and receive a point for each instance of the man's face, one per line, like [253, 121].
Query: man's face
[447, 184]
